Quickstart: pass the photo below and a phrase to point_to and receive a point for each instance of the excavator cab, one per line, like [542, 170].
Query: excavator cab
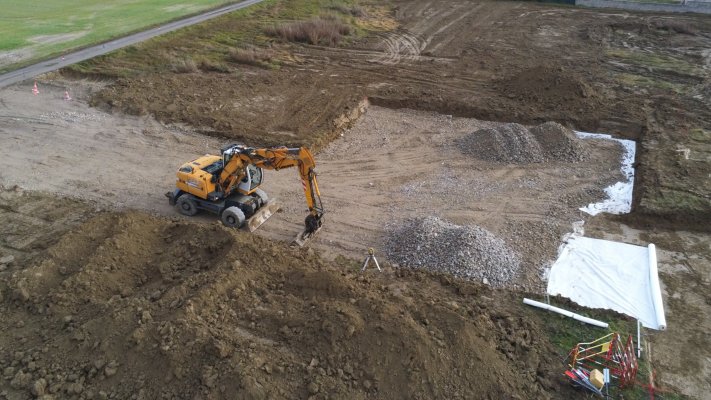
[252, 179]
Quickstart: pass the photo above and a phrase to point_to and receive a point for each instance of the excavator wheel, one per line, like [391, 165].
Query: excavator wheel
[233, 217]
[186, 205]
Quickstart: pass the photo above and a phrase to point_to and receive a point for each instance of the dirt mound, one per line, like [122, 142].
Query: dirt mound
[559, 143]
[131, 306]
[550, 85]
[507, 143]
[264, 110]
[516, 144]
[467, 252]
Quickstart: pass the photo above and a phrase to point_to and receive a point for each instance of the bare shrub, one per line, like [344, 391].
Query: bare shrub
[322, 30]
[183, 66]
[213, 66]
[252, 56]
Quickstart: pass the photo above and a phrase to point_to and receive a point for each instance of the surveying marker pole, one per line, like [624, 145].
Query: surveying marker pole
[371, 256]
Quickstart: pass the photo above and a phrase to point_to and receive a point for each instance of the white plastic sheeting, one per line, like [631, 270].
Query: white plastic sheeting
[619, 195]
[617, 276]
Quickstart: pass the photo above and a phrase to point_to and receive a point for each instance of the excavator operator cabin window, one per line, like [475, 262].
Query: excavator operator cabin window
[256, 174]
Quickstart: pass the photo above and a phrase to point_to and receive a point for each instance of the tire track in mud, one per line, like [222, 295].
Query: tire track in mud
[399, 47]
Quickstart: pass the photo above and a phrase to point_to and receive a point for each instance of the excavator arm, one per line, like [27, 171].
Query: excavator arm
[236, 157]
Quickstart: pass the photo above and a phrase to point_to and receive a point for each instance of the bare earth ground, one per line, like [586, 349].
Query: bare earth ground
[219, 325]
[131, 306]
[69, 148]
[596, 70]
[393, 165]
[399, 164]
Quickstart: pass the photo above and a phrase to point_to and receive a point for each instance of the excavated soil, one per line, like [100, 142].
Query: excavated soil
[132, 306]
[97, 313]
[545, 86]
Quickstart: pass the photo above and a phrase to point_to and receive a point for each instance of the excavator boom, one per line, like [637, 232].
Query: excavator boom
[284, 157]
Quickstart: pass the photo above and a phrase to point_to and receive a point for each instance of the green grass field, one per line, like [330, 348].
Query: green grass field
[31, 30]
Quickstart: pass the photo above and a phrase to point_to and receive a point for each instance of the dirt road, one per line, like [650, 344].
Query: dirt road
[68, 148]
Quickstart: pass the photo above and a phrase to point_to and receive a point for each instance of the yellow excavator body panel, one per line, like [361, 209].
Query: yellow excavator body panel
[193, 179]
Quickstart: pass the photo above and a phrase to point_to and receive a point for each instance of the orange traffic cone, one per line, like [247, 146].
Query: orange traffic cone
[34, 89]
[66, 95]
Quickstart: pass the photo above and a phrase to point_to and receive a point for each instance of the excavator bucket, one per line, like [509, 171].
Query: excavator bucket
[312, 226]
[303, 237]
[262, 215]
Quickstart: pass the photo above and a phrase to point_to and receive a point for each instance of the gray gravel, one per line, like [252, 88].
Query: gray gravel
[559, 143]
[516, 144]
[507, 143]
[468, 252]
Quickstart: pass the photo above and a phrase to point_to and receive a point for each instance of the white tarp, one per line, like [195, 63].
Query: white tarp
[619, 195]
[603, 274]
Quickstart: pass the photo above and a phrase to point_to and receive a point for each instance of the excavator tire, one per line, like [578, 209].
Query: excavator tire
[233, 217]
[263, 197]
[186, 206]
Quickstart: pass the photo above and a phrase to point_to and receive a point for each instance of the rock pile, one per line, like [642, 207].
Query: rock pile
[559, 143]
[507, 143]
[515, 144]
[469, 252]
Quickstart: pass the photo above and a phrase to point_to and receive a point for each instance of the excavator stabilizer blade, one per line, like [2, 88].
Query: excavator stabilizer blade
[262, 215]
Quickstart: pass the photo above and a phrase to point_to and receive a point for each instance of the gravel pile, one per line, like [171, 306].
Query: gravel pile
[559, 143]
[507, 143]
[467, 252]
[516, 144]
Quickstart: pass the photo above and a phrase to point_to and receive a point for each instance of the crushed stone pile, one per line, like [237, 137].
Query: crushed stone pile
[508, 143]
[515, 144]
[469, 252]
[559, 143]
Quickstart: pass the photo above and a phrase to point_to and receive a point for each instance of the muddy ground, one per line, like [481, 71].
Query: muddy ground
[212, 313]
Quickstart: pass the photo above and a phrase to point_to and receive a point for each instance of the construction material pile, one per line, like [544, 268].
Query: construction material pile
[469, 252]
[559, 143]
[515, 144]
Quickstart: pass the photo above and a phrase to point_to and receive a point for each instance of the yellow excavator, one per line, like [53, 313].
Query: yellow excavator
[228, 185]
